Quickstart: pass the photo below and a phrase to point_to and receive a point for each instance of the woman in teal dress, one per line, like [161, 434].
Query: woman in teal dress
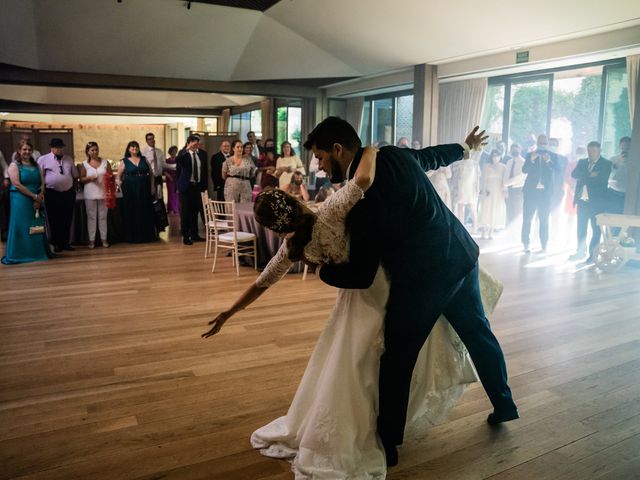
[26, 197]
[136, 181]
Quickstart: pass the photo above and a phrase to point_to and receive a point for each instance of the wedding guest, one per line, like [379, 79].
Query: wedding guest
[440, 180]
[192, 180]
[288, 163]
[27, 197]
[538, 188]
[173, 201]
[60, 194]
[466, 188]
[297, 188]
[155, 158]
[92, 172]
[321, 176]
[27, 138]
[325, 192]
[618, 177]
[403, 142]
[217, 160]
[492, 195]
[514, 181]
[4, 198]
[253, 140]
[267, 167]
[592, 175]
[416, 145]
[136, 180]
[237, 171]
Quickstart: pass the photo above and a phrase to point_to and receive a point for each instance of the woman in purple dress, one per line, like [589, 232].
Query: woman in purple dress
[173, 200]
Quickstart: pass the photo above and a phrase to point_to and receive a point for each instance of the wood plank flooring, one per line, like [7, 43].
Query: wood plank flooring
[103, 374]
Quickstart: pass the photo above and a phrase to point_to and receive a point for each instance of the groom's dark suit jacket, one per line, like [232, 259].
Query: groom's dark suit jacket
[403, 224]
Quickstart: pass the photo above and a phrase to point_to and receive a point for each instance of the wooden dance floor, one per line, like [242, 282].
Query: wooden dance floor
[104, 375]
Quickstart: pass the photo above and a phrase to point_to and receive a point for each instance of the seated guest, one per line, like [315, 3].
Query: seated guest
[297, 188]
[59, 178]
[416, 145]
[288, 163]
[27, 197]
[321, 175]
[237, 171]
[136, 180]
[618, 177]
[325, 192]
[267, 167]
[173, 202]
[92, 172]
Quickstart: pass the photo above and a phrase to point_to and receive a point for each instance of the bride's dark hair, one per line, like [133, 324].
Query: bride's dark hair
[283, 213]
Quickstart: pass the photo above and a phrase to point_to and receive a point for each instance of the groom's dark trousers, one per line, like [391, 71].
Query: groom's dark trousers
[431, 263]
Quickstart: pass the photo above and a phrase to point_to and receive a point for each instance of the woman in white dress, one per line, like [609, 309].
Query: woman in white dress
[465, 188]
[493, 206]
[440, 180]
[287, 164]
[329, 431]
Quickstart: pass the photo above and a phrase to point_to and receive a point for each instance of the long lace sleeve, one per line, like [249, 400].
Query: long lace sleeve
[337, 206]
[277, 267]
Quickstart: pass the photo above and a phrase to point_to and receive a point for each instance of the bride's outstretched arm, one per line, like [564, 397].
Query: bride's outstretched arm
[249, 296]
[366, 171]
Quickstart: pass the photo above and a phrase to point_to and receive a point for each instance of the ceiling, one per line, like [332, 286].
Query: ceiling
[287, 42]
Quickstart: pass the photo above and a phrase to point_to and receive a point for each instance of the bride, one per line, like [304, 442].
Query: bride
[329, 431]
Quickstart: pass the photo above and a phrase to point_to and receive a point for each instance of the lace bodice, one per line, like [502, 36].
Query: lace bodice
[329, 241]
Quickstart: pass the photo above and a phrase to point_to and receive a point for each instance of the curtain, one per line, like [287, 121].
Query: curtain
[633, 62]
[266, 106]
[460, 108]
[223, 126]
[308, 124]
[354, 112]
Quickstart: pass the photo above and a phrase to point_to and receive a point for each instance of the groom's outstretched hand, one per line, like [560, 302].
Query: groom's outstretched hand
[476, 140]
[216, 324]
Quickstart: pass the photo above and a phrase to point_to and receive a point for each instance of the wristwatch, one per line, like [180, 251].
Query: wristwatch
[35, 196]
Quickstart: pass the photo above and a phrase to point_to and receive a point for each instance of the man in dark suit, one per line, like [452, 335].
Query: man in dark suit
[429, 257]
[216, 169]
[592, 175]
[191, 180]
[541, 168]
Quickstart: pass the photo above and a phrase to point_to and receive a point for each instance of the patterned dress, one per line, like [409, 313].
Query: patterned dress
[237, 186]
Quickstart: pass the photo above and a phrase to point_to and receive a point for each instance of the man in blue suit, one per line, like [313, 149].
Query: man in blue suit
[191, 180]
[429, 257]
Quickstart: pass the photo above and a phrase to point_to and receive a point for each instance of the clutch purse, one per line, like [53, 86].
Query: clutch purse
[37, 225]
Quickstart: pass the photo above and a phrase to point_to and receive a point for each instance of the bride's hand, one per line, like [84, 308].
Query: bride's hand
[217, 324]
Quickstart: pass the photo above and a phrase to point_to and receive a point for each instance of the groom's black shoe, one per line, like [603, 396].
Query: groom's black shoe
[498, 417]
[391, 453]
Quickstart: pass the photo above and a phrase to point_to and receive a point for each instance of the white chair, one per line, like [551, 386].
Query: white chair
[210, 231]
[227, 236]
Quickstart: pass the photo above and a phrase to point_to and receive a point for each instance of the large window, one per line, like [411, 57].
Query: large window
[387, 118]
[289, 126]
[575, 105]
[246, 122]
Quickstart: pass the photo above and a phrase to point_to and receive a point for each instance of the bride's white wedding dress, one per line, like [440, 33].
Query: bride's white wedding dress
[329, 431]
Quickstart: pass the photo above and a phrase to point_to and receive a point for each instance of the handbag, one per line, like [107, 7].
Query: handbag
[37, 224]
[160, 215]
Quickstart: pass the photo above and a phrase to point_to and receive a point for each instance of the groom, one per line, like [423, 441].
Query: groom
[431, 262]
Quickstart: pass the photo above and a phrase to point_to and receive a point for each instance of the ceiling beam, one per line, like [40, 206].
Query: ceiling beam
[11, 74]
[28, 107]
